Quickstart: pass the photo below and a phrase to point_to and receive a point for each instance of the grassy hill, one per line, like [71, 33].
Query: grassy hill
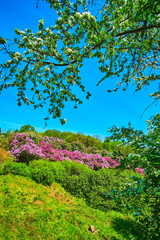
[29, 210]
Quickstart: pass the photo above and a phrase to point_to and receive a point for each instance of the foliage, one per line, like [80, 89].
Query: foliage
[145, 146]
[94, 185]
[52, 133]
[123, 36]
[16, 169]
[27, 128]
[5, 140]
[76, 178]
[146, 155]
[46, 172]
[4, 155]
[115, 146]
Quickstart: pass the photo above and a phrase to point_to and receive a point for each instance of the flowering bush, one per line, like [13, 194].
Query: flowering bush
[94, 161]
[54, 142]
[23, 149]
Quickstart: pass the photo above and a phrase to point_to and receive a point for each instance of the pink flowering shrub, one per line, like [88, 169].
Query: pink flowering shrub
[140, 170]
[94, 161]
[23, 149]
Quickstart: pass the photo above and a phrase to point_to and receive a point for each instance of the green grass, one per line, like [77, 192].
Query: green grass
[29, 210]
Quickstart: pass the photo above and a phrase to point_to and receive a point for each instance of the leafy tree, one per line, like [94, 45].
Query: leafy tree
[144, 146]
[124, 37]
[52, 133]
[27, 128]
[146, 155]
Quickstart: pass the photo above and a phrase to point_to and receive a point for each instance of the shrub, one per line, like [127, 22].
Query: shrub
[75, 168]
[23, 149]
[94, 186]
[52, 133]
[46, 172]
[94, 161]
[16, 169]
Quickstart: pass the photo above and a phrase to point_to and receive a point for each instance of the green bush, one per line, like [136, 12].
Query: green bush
[76, 178]
[94, 186]
[46, 172]
[82, 181]
[75, 168]
[102, 182]
[52, 133]
[16, 169]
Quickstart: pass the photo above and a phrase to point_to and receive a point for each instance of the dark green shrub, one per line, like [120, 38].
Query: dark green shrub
[77, 185]
[16, 168]
[82, 181]
[102, 182]
[76, 178]
[94, 186]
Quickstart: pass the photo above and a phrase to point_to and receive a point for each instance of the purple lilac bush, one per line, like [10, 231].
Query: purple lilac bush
[23, 148]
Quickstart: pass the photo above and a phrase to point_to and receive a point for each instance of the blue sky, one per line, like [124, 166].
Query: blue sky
[94, 116]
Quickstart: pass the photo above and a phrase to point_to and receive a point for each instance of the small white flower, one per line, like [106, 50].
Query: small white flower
[18, 54]
[9, 61]
[46, 69]
[39, 39]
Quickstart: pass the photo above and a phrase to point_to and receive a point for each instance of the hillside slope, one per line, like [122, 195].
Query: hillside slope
[32, 211]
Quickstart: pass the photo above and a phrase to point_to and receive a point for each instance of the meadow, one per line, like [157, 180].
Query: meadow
[57, 185]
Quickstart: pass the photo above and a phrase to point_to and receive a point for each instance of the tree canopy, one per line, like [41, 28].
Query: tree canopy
[124, 37]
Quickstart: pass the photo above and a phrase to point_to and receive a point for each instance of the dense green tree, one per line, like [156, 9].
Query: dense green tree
[146, 155]
[52, 133]
[124, 37]
[27, 128]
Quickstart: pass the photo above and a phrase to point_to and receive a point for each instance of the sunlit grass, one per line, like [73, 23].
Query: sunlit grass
[32, 211]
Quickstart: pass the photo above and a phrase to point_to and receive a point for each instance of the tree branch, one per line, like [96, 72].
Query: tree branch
[136, 30]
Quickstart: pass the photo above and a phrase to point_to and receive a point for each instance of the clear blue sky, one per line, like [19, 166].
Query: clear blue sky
[94, 116]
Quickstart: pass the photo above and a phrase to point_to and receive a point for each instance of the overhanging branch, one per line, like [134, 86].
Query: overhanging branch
[136, 30]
